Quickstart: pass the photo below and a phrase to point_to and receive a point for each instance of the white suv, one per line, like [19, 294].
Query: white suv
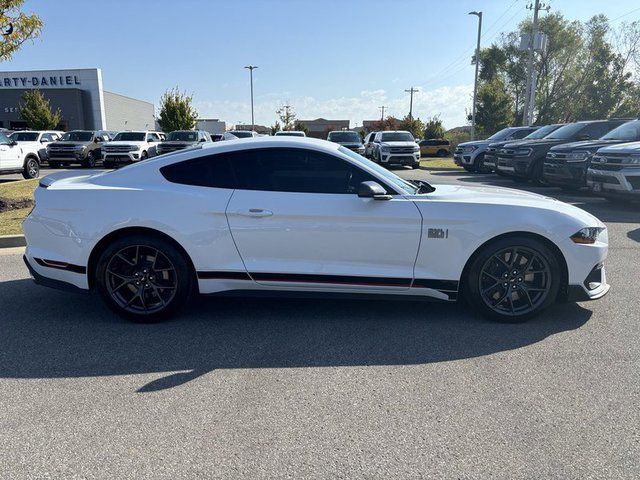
[130, 146]
[15, 159]
[36, 142]
[396, 147]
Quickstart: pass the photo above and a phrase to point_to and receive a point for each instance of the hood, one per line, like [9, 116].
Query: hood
[127, 142]
[540, 143]
[505, 196]
[584, 145]
[475, 142]
[69, 144]
[506, 142]
[629, 147]
[400, 144]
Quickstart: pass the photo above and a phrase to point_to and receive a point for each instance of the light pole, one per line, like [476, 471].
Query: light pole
[411, 91]
[251, 69]
[475, 81]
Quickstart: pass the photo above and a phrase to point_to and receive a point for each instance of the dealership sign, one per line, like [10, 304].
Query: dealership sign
[41, 81]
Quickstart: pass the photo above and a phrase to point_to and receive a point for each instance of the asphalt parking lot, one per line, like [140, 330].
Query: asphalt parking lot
[317, 389]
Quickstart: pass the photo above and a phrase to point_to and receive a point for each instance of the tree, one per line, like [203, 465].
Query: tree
[275, 128]
[389, 123]
[434, 128]
[16, 27]
[287, 116]
[494, 108]
[36, 111]
[413, 125]
[176, 111]
[301, 127]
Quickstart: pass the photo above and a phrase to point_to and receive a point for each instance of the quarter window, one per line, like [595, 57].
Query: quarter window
[207, 171]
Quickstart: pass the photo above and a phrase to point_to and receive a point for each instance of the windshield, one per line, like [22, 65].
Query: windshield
[567, 132]
[290, 134]
[130, 137]
[392, 178]
[77, 137]
[350, 137]
[397, 137]
[542, 132]
[187, 136]
[242, 133]
[628, 131]
[24, 136]
[501, 135]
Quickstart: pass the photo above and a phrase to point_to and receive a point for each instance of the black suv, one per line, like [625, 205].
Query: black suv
[181, 139]
[566, 165]
[524, 160]
[535, 132]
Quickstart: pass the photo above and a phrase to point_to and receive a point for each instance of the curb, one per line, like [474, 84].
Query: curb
[12, 241]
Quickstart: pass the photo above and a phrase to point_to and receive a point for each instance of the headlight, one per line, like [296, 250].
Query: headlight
[523, 152]
[384, 148]
[79, 147]
[577, 156]
[134, 148]
[469, 149]
[634, 159]
[587, 236]
[416, 148]
[361, 149]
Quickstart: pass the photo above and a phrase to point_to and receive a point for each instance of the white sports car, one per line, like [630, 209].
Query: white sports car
[273, 215]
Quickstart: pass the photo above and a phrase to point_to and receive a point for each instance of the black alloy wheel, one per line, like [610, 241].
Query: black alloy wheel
[513, 279]
[90, 161]
[144, 279]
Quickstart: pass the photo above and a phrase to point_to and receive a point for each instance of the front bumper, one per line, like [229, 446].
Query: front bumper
[122, 157]
[559, 172]
[66, 157]
[390, 158]
[623, 182]
[595, 286]
[462, 158]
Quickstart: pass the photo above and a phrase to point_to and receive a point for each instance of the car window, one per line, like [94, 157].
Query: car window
[296, 170]
[207, 171]
[521, 133]
[4, 140]
[597, 130]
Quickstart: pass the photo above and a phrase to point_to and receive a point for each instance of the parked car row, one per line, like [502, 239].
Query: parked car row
[601, 155]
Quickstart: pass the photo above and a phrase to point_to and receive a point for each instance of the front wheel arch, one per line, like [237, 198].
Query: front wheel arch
[123, 232]
[564, 277]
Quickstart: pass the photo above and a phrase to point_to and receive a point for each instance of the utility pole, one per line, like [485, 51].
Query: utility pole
[411, 91]
[530, 91]
[475, 81]
[251, 69]
[382, 116]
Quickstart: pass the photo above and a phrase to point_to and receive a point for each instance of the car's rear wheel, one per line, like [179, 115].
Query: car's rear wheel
[513, 279]
[31, 168]
[143, 278]
[442, 153]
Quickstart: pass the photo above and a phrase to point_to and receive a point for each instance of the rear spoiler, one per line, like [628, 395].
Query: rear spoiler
[49, 180]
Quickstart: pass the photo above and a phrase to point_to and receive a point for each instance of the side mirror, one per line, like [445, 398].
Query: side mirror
[12, 143]
[372, 190]
[44, 140]
[202, 140]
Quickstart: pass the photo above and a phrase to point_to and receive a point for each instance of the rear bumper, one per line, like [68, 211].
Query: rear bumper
[58, 284]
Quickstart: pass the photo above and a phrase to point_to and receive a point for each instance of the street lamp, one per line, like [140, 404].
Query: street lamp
[251, 69]
[475, 81]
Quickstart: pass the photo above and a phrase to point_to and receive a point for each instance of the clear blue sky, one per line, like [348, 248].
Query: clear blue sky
[331, 58]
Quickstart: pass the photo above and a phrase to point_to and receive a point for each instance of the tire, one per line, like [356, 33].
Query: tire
[525, 294]
[536, 174]
[31, 168]
[90, 161]
[143, 278]
[468, 168]
[442, 153]
[415, 166]
[478, 165]
[54, 164]
[144, 155]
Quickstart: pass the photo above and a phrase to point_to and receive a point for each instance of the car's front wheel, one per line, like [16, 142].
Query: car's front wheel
[513, 279]
[31, 168]
[143, 278]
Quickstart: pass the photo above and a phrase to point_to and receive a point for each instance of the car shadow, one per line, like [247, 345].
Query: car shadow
[51, 334]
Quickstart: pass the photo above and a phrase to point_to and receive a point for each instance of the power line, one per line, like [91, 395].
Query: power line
[625, 14]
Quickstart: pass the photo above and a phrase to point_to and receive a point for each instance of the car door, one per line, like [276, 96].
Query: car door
[296, 218]
[10, 154]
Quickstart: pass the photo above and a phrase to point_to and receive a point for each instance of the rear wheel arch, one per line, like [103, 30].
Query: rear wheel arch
[124, 232]
[564, 279]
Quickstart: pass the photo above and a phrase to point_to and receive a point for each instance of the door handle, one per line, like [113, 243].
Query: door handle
[255, 212]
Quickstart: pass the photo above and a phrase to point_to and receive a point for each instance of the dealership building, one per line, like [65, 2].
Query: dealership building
[80, 96]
